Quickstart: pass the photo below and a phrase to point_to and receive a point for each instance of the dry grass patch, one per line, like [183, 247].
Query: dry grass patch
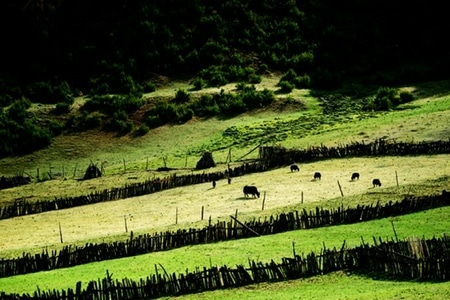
[280, 187]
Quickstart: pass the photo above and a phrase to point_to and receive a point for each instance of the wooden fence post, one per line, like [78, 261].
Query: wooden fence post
[396, 177]
[203, 210]
[125, 220]
[264, 200]
[60, 233]
[340, 188]
[302, 197]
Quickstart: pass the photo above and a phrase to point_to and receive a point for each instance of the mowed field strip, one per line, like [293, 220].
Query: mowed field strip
[281, 187]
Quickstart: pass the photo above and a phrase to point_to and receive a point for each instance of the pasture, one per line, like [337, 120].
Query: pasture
[281, 190]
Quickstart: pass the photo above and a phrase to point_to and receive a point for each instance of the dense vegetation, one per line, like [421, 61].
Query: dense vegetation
[55, 50]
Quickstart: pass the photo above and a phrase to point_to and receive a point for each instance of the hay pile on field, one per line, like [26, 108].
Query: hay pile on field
[206, 161]
[92, 172]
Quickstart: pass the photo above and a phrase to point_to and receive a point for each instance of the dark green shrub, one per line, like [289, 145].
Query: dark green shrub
[229, 104]
[154, 121]
[289, 76]
[110, 104]
[240, 86]
[237, 60]
[119, 123]
[302, 82]
[101, 88]
[263, 68]
[285, 86]
[93, 121]
[18, 110]
[143, 129]
[162, 113]
[198, 84]
[61, 108]
[205, 106]
[385, 99]
[406, 97]
[148, 87]
[184, 114]
[40, 92]
[63, 93]
[253, 78]
[181, 97]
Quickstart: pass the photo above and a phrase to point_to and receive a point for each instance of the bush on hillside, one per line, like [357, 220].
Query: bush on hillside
[45, 92]
[181, 97]
[119, 123]
[205, 106]
[110, 104]
[285, 86]
[198, 84]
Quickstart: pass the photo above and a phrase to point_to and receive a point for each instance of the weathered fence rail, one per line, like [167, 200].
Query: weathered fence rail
[71, 256]
[269, 159]
[399, 259]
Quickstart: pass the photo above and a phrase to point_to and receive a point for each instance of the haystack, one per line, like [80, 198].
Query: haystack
[206, 161]
[92, 172]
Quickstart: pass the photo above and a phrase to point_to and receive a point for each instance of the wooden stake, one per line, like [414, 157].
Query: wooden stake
[264, 201]
[395, 233]
[203, 210]
[396, 177]
[176, 216]
[60, 233]
[125, 220]
[340, 188]
[302, 197]
[293, 248]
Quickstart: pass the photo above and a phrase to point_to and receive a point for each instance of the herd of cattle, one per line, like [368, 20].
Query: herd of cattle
[250, 190]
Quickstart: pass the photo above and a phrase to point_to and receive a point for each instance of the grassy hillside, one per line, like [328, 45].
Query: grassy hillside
[296, 120]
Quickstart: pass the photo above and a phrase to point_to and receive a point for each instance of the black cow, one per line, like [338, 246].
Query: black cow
[251, 190]
[355, 176]
[317, 175]
[295, 168]
[376, 182]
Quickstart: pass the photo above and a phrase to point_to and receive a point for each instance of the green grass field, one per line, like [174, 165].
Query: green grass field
[181, 145]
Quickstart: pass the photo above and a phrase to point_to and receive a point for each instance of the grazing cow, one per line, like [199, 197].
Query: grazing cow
[355, 176]
[376, 182]
[295, 168]
[317, 175]
[251, 190]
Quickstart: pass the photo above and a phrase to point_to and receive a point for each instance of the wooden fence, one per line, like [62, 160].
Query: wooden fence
[380, 147]
[413, 259]
[71, 256]
[269, 159]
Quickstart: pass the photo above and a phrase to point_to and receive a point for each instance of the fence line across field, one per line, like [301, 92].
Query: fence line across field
[70, 256]
[402, 260]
